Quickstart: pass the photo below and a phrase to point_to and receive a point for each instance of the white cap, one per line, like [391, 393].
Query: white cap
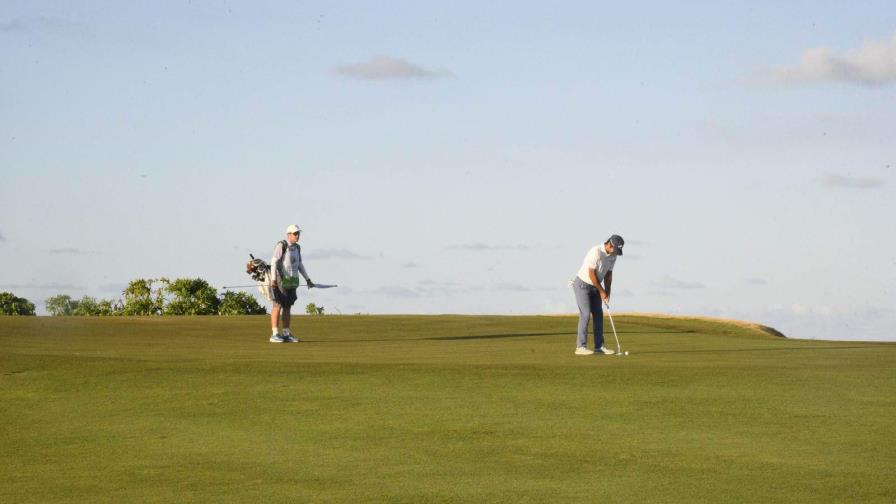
[293, 228]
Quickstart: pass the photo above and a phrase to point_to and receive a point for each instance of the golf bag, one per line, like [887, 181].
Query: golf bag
[260, 271]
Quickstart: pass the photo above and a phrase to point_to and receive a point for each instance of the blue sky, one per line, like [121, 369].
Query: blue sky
[460, 158]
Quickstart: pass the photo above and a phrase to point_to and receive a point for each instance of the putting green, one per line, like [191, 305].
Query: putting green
[438, 409]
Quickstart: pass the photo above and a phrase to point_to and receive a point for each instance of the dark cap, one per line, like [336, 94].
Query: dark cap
[617, 242]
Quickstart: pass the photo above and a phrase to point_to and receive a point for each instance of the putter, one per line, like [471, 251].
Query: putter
[618, 348]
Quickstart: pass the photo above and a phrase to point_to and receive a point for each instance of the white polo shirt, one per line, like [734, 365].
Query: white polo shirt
[598, 260]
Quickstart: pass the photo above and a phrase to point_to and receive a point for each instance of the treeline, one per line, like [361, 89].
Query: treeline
[145, 297]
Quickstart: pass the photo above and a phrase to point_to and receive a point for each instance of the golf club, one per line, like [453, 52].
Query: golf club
[618, 348]
[316, 286]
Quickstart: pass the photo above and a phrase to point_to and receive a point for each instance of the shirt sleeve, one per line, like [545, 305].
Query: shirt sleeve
[592, 258]
[276, 263]
[302, 270]
[299, 265]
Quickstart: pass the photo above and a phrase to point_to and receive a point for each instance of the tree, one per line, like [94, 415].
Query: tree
[140, 298]
[313, 309]
[61, 305]
[91, 307]
[10, 304]
[191, 296]
[239, 303]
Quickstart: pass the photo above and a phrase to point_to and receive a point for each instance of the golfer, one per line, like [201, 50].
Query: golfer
[286, 266]
[590, 294]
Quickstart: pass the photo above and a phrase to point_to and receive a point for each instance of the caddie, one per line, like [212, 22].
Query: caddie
[286, 265]
[592, 287]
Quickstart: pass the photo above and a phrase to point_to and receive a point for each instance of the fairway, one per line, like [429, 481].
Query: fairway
[438, 409]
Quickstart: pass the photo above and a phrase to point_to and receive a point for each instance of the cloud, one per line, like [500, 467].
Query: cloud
[510, 287]
[70, 251]
[668, 282]
[874, 64]
[336, 254]
[2, 238]
[394, 291]
[410, 264]
[113, 287]
[755, 281]
[387, 67]
[13, 25]
[33, 24]
[48, 286]
[857, 323]
[479, 247]
[834, 180]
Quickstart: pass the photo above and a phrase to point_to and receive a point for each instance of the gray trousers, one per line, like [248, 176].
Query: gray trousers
[588, 300]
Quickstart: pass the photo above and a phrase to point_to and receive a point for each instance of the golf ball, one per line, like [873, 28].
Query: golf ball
[625, 353]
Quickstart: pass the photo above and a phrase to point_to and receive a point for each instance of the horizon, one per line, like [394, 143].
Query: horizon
[460, 159]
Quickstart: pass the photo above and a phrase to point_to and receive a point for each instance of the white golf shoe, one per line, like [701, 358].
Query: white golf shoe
[583, 351]
[276, 338]
[604, 351]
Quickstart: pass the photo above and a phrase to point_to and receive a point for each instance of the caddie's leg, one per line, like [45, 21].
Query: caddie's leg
[275, 319]
[582, 301]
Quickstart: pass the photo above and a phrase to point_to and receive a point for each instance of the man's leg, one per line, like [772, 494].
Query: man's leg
[597, 310]
[275, 318]
[581, 291]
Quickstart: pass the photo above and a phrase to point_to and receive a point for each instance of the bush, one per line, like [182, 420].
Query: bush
[191, 296]
[239, 303]
[61, 305]
[92, 307]
[313, 309]
[64, 305]
[10, 304]
[140, 298]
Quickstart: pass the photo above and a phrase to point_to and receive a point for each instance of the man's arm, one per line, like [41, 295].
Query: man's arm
[608, 282]
[276, 264]
[604, 295]
[305, 274]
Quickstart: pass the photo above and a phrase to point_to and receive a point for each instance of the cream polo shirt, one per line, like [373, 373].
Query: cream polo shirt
[598, 260]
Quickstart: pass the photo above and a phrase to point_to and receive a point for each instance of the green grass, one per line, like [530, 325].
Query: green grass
[438, 409]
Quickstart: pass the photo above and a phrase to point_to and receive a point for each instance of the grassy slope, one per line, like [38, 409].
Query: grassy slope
[438, 409]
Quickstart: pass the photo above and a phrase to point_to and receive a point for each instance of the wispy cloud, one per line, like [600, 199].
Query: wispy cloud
[387, 67]
[2, 238]
[511, 287]
[113, 287]
[431, 288]
[33, 24]
[479, 247]
[835, 180]
[46, 286]
[410, 264]
[668, 282]
[873, 64]
[70, 251]
[336, 254]
[756, 281]
[394, 291]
